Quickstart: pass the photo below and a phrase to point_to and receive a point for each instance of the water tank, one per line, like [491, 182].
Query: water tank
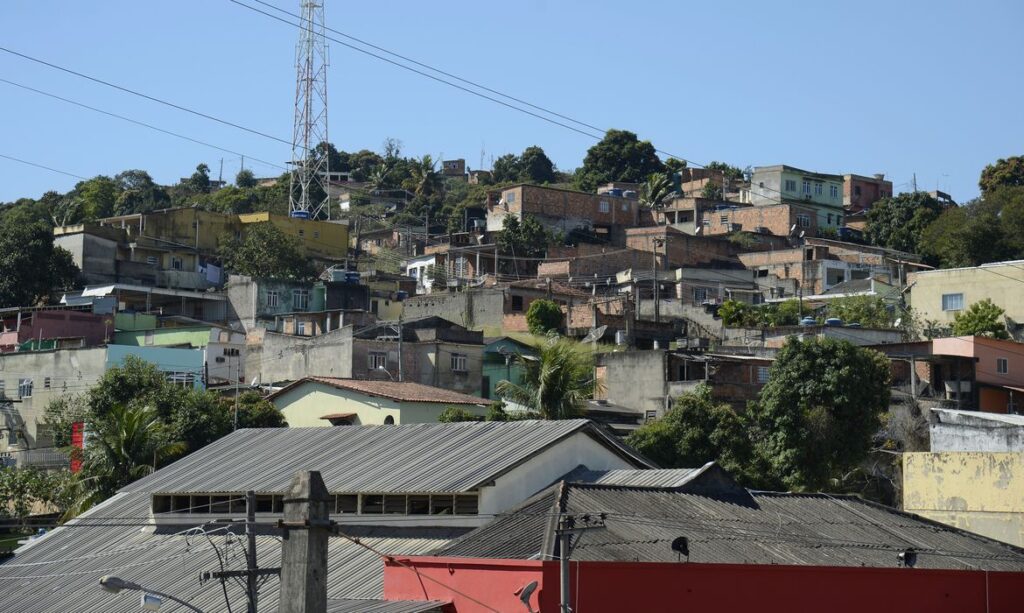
[629, 194]
[299, 214]
[833, 321]
[352, 276]
[615, 192]
[620, 337]
[808, 321]
[401, 295]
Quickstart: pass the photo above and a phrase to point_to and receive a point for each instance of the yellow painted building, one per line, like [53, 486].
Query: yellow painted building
[938, 295]
[320, 239]
[324, 402]
[979, 491]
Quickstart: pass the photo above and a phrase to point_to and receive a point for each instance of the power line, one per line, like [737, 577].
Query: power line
[63, 172]
[139, 123]
[142, 95]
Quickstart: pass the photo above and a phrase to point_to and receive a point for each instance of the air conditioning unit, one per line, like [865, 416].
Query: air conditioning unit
[219, 359]
[761, 230]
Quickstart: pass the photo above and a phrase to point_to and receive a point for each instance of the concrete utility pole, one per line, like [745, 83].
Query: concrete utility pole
[567, 526]
[654, 279]
[251, 579]
[307, 527]
[401, 368]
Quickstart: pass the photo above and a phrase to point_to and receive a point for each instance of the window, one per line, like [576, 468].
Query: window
[24, 388]
[723, 219]
[856, 190]
[151, 260]
[377, 360]
[302, 233]
[603, 206]
[459, 362]
[300, 328]
[762, 374]
[419, 504]
[1002, 366]
[316, 234]
[300, 299]
[273, 299]
[761, 184]
[790, 185]
[389, 420]
[625, 206]
[807, 187]
[230, 351]
[952, 302]
[830, 219]
[461, 266]
[833, 191]
[347, 503]
[373, 504]
[804, 221]
[2, 392]
[176, 263]
[700, 294]
[510, 197]
[818, 189]
[46, 383]
[517, 303]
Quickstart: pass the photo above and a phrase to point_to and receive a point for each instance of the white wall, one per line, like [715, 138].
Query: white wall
[545, 468]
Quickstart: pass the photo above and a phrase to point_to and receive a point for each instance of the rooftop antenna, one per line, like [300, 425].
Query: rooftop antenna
[310, 172]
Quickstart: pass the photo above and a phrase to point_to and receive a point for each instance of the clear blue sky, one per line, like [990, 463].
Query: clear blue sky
[897, 87]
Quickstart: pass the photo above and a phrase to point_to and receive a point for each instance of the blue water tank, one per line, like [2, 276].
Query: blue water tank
[352, 276]
[808, 321]
[614, 192]
[833, 321]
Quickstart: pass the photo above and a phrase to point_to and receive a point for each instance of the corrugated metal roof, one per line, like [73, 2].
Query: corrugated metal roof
[662, 477]
[756, 528]
[515, 535]
[61, 571]
[407, 458]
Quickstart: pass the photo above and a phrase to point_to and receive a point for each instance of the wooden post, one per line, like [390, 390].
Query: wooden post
[304, 548]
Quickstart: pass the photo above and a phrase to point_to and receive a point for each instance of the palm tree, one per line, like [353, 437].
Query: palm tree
[380, 176]
[656, 191]
[426, 181]
[557, 381]
[128, 444]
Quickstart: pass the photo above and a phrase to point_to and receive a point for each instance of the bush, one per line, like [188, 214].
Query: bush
[544, 316]
[456, 414]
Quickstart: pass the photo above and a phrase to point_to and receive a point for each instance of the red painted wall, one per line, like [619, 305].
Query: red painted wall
[616, 587]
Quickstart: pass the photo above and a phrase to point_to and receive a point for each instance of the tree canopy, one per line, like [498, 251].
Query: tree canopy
[557, 381]
[31, 267]
[983, 318]
[1007, 172]
[898, 222]
[620, 156]
[544, 316]
[532, 166]
[815, 418]
[265, 251]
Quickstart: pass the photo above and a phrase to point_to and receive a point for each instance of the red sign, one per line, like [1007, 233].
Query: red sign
[78, 443]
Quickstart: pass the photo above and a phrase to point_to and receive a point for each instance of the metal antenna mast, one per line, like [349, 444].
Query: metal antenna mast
[308, 197]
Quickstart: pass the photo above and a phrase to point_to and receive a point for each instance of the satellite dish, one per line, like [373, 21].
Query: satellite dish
[802, 233]
[681, 545]
[525, 593]
[792, 229]
[899, 320]
[255, 381]
[594, 335]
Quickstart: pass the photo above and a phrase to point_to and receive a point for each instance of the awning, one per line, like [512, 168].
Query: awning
[339, 416]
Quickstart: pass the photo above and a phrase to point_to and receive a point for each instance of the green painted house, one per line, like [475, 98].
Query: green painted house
[781, 184]
[499, 363]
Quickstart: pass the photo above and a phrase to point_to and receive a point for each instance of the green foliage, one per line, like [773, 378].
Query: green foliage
[737, 314]
[620, 156]
[656, 191]
[532, 166]
[898, 222]
[732, 173]
[245, 179]
[254, 411]
[988, 229]
[95, 197]
[496, 412]
[265, 252]
[982, 318]
[525, 239]
[199, 182]
[557, 381]
[544, 316]
[816, 416]
[868, 311]
[24, 491]
[456, 414]
[1007, 172]
[138, 193]
[711, 191]
[31, 267]
[697, 430]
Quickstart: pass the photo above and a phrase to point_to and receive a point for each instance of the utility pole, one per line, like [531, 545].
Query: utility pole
[401, 368]
[238, 374]
[250, 554]
[569, 525]
[306, 528]
[654, 279]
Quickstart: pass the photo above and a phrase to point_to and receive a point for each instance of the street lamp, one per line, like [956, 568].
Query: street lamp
[150, 598]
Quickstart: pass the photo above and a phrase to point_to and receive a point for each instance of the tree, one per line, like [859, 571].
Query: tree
[1005, 172]
[505, 169]
[526, 238]
[265, 252]
[452, 415]
[697, 430]
[656, 191]
[231, 199]
[729, 172]
[557, 381]
[815, 418]
[711, 191]
[138, 193]
[544, 316]
[426, 181]
[199, 182]
[24, 490]
[987, 229]
[255, 411]
[535, 166]
[31, 267]
[898, 222]
[868, 311]
[981, 319]
[245, 179]
[736, 314]
[96, 197]
[620, 156]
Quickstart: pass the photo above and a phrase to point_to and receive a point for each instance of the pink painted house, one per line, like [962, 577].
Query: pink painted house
[53, 329]
[998, 372]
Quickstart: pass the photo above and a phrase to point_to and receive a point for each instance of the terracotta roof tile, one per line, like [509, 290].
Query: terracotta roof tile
[402, 391]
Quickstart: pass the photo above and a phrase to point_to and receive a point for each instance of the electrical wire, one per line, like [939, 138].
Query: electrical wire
[142, 95]
[27, 163]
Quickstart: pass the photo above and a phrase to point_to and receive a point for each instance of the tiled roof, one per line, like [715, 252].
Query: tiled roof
[733, 527]
[542, 285]
[402, 391]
